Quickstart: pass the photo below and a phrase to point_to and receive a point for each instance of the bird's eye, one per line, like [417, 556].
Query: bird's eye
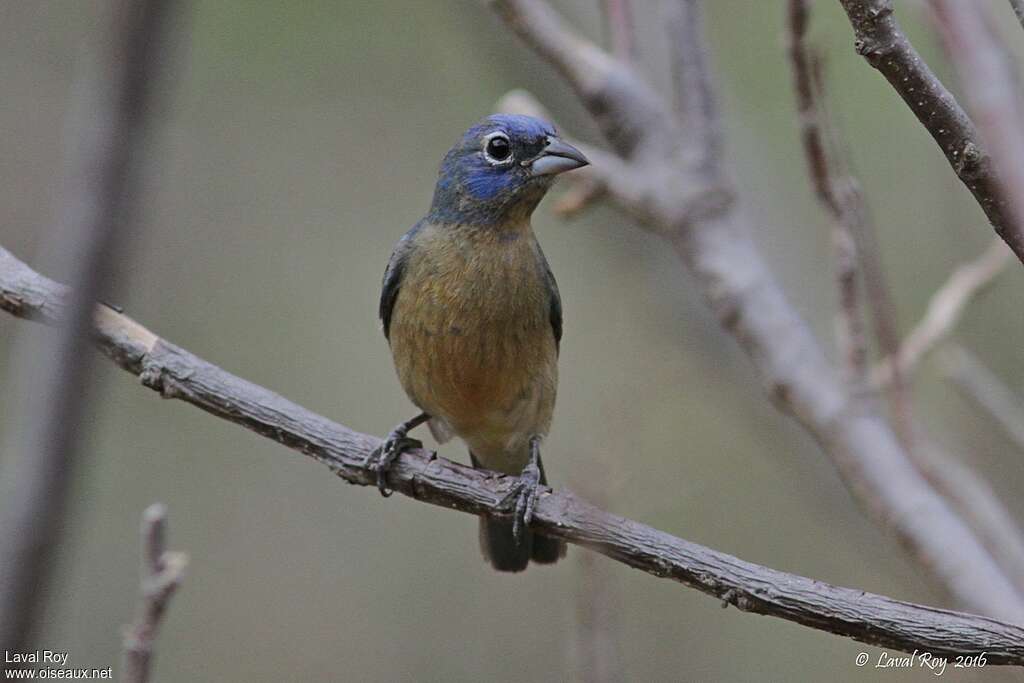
[497, 148]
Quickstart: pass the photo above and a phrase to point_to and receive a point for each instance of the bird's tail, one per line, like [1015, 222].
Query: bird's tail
[499, 547]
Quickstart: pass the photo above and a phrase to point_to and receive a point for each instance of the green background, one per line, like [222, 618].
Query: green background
[297, 143]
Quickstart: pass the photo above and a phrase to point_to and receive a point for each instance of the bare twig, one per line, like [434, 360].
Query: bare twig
[97, 206]
[618, 17]
[855, 235]
[809, 108]
[883, 316]
[1018, 9]
[714, 243]
[696, 99]
[602, 82]
[176, 373]
[881, 40]
[968, 493]
[833, 192]
[162, 572]
[944, 311]
[986, 389]
[991, 90]
[976, 501]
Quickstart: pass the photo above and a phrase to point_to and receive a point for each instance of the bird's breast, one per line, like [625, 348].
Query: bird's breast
[470, 330]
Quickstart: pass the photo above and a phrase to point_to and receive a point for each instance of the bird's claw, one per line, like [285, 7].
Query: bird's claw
[382, 457]
[525, 492]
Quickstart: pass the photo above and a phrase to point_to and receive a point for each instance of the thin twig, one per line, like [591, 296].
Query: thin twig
[97, 205]
[632, 109]
[178, 374]
[883, 43]
[986, 389]
[162, 573]
[967, 492]
[618, 17]
[856, 236]
[714, 243]
[976, 501]
[831, 191]
[944, 311]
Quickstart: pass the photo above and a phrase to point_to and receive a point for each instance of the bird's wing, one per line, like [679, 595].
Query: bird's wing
[554, 301]
[393, 278]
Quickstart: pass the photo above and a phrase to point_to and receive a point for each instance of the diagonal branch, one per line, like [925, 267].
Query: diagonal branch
[943, 313]
[716, 246]
[176, 373]
[110, 120]
[627, 108]
[972, 377]
[990, 87]
[856, 236]
[836, 192]
[882, 42]
[696, 98]
[618, 19]
[1018, 9]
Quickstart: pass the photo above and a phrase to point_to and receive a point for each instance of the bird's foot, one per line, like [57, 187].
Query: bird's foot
[396, 443]
[381, 459]
[525, 492]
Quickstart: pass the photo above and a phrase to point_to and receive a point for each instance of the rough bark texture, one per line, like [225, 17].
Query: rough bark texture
[176, 373]
[680, 190]
[881, 41]
[109, 119]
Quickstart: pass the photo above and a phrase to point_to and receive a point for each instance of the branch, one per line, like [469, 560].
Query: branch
[944, 311]
[856, 237]
[1018, 9]
[715, 244]
[618, 17]
[973, 497]
[882, 42]
[162, 572]
[176, 373]
[642, 129]
[986, 389]
[992, 94]
[627, 109]
[695, 93]
[834, 193]
[110, 116]
[970, 495]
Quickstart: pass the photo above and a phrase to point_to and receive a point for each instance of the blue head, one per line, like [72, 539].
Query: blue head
[500, 170]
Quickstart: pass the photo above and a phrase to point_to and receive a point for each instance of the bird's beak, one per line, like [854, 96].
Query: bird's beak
[557, 157]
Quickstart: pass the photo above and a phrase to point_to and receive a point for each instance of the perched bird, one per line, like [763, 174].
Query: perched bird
[474, 319]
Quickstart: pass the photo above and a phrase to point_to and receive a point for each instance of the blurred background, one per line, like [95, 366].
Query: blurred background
[297, 142]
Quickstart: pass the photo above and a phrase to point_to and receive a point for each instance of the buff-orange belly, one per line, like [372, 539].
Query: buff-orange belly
[474, 348]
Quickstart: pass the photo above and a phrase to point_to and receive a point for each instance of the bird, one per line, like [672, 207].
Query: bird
[473, 317]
